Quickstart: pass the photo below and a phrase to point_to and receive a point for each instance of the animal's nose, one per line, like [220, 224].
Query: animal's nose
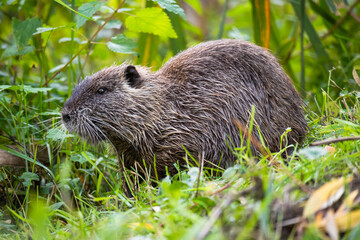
[66, 117]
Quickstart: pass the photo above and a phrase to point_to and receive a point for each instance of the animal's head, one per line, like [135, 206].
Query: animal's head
[101, 106]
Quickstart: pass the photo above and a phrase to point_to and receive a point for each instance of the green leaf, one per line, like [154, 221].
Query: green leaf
[122, 44]
[67, 39]
[30, 89]
[313, 152]
[10, 52]
[56, 206]
[88, 10]
[4, 74]
[230, 173]
[205, 202]
[28, 177]
[191, 178]
[26, 88]
[78, 158]
[171, 6]
[331, 5]
[48, 29]
[13, 51]
[23, 30]
[3, 87]
[44, 29]
[56, 134]
[113, 24]
[151, 20]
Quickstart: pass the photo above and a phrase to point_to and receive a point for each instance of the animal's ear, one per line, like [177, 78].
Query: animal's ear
[132, 76]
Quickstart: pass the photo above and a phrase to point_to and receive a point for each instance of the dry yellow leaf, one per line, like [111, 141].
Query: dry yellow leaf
[348, 221]
[355, 75]
[325, 196]
[347, 204]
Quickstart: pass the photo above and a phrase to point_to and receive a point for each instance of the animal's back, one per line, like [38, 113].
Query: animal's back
[216, 83]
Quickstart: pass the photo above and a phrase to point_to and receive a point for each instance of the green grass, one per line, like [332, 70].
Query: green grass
[79, 195]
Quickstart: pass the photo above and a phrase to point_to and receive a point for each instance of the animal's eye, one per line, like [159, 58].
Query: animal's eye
[101, 91]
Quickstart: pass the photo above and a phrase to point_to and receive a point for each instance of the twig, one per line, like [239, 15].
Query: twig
[328, 141]
[221, 189]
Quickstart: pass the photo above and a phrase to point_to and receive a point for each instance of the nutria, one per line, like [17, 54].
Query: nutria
[193, 102]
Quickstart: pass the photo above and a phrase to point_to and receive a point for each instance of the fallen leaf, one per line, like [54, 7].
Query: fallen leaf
[347, 204]
[331, 226]
[355, 75]
[325, 196]
[348, 221]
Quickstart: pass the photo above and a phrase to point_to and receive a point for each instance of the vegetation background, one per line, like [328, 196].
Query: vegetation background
[56, 186]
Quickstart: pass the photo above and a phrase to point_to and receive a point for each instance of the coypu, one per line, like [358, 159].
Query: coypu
[191, 103]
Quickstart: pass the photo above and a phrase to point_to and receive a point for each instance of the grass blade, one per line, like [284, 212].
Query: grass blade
[313, 36]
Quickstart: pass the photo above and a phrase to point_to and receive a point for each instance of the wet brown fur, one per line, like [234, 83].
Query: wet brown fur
[190, 102]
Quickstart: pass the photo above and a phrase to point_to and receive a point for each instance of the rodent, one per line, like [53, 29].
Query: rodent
[191, 102]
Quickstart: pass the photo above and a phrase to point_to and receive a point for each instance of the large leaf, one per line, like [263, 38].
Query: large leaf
[88, 9]
[325, 196]
[151, 20]
[26, 88]
[23, 30]
[14, 51]
[171, 6]
[122, 44]
[49, 29]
